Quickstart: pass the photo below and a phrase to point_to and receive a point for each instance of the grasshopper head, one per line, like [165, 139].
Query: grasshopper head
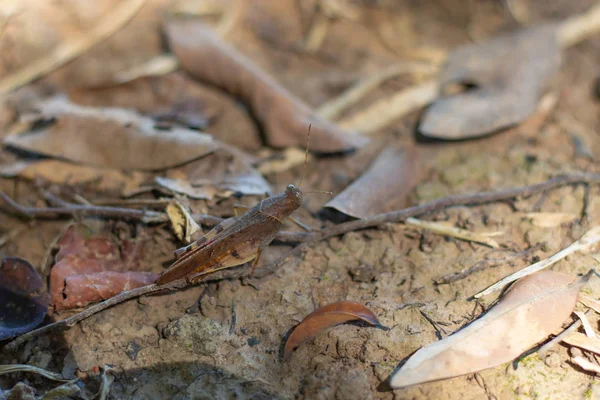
[294, 194]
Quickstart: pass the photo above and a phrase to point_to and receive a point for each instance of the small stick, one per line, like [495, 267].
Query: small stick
[590, 238]
[485, 264]
[544, 349]
[88, 312]
[309, 238]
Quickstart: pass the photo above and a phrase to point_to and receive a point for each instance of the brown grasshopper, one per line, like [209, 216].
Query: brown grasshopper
[236, 240]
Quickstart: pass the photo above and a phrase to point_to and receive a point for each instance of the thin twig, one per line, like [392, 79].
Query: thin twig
[309, 238]
[485, 264]
[74, 319]
[573, 327]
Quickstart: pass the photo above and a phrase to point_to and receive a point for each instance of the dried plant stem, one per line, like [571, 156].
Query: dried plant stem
[309, 238]
[88, 312]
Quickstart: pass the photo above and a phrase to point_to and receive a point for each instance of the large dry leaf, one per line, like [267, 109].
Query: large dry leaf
[284, 117]
[528, 313]
[509, 73]
[383, 187]
[108, 137]
[325, 317]
[91, 267]
[23, 297]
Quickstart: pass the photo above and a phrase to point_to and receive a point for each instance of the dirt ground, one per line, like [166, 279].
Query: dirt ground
[223, 339]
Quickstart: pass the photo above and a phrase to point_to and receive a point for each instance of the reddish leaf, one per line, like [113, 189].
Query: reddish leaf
[325, 317]
[23, 297]
[91, 267]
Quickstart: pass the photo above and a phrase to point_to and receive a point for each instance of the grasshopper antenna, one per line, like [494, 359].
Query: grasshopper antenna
[305, 156]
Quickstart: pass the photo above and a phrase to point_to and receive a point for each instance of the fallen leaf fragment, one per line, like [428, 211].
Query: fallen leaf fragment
[587, 327]
[182, 222]
[284, 117]
[463, 234]
[374, 192]
[290, 158]
[583, 341]
[586, 364]
[590, 302]
[509, 72]
[587, 241]
[91, 267]
[108, 137]
[325, 317]
[528, 313]
[24, 299]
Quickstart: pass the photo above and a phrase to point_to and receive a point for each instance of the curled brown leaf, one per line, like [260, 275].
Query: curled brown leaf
[325, 317]
[284, 117]
[374, 192]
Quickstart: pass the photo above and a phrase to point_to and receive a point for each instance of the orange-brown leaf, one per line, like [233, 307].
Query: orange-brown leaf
[325, 317]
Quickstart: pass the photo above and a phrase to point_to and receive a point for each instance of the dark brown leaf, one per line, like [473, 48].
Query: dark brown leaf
[284, 117]
[509, 72]
[383, 187]
[325, 317]
[23, 297]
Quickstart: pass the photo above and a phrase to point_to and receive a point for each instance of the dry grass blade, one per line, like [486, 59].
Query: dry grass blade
[590, 238]
[583, 341]
[550, 219]
[7, 369]
[69, 50]
[107, 381]
[590, 302]
[325, 317]
[333, 108]
[586, 364]
[579, 27]
[159, 65]
[385, 111]
[587, 327]
[528, 313]
[462, 234]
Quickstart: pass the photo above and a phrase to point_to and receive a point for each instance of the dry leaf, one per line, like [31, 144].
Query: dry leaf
[182, 222]
[374, 192]
[109, 137]
[509, 73]
[550, 219]
[219, 174]
[23, 297]
[91, 267]
[325, 317]
[66, 173]
[284, 117]
[528, 313]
